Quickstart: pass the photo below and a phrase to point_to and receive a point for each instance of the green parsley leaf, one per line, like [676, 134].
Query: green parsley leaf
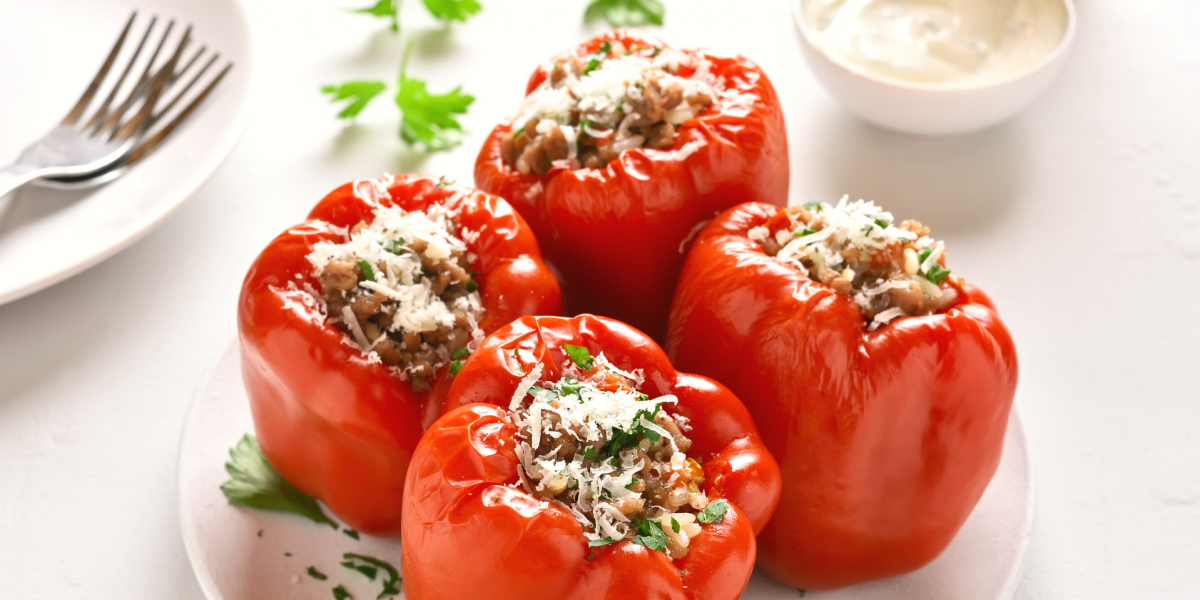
[461, 352]
[924, 254]
[517, 354]
[443, 182]
[882, 223]
[540, 393]
[937, 273]
[626, 13]
[315, 574]
[360, 93]
[367, 271]
[593, 544]
[518, 133]
[452, 10]
[713, 513]
[580, 356]
[340, 593]
[654, 539]
[456, 366]
[389, 9]
[368, 570]
[590, 452]
[397, 246]
[255, 483]
[814, 206]
[351, 533]
[806, 231]
[591, 66]
[427, 118]
[568, 387]
[472, 285]
[390, 584]
[674, 525]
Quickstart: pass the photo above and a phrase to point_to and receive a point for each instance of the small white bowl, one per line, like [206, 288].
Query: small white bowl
[931, 109]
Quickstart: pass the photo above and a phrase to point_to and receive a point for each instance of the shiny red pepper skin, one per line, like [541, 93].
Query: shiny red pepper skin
[333, 424]
[616, 236]
[470, 531]
[886, 439]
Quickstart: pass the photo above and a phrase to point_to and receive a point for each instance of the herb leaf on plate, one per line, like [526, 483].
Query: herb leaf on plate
[369, 565]
[359, 92]
[255, 483]
[626, 13]
[428, 118]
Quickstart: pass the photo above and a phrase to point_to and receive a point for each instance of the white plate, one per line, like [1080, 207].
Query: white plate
[46, 235]
[234, 562]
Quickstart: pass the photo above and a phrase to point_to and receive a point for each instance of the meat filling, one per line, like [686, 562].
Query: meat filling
[614, 457]
[856, 249]
[590, 109]
[402, 290]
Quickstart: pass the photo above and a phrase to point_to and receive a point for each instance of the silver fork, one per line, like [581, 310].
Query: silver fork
[79, 146]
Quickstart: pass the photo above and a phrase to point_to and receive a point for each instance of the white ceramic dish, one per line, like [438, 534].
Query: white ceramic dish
[928, 109]
[48, 235]
[234, 562]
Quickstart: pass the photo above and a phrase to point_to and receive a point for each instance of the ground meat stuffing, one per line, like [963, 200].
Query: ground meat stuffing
[854, 248]
[402, 289]
[612, 456]
[590, 109]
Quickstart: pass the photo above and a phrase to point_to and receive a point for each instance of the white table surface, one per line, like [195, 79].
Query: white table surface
[1074, 217]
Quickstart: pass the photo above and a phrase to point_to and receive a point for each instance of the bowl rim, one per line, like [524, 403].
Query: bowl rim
[1067, 39]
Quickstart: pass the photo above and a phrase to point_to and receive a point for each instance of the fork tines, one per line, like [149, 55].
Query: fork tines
[157, 79]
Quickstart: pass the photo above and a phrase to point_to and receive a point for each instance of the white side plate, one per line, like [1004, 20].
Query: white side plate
[48, 235]
[239, 553]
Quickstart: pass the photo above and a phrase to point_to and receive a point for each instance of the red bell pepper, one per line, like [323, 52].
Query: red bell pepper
[887, 438]
[336, 425]
[471, 531]
[616, 236]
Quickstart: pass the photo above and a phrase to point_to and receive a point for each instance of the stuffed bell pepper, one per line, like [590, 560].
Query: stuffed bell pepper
[880, 381]
[353, 323]
[621, 150]
[573, 461]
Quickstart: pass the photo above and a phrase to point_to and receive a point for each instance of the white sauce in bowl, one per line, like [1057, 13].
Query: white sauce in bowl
[938, 41]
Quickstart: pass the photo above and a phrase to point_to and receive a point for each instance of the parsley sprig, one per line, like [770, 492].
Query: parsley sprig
[255, 483]
[426, 119]
[626, 13]
[444, 10]
[370, 567]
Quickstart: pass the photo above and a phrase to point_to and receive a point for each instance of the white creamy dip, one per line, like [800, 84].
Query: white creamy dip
[938, 41]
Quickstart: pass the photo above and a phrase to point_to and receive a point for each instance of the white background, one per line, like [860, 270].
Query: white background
[1081, 218]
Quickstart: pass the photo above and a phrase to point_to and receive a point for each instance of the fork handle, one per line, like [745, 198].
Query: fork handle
[15, 176]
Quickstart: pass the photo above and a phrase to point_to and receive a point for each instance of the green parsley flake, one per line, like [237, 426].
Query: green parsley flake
[367, 272]
[315, 574]
[461, 352]
[713, 513]
[340, 593]
[255, 483]
[580, 356]
[391, 583]
[351, 533]
[456, 366]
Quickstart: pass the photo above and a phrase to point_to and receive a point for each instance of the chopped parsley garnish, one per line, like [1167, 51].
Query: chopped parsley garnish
[713, 513]
[517, 133]
[580, 356]
[350, 533]
[360, 94]
[674, 525]
[391, 583]
[882, 223]
[623, 439]
[803, 233]
[652, 535]
[591, 66]
[367, 271]
[937, 273]
[315, 574]
[456, 366]
[396, 247]
[472, 285]
[590, 453]
[634, 482]
[428, 118]
[368, 570]
[626, 13]
[340, 593]
[592, 544]
[443, 182]
[461, 352]
[255, 483]
[517, 355]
